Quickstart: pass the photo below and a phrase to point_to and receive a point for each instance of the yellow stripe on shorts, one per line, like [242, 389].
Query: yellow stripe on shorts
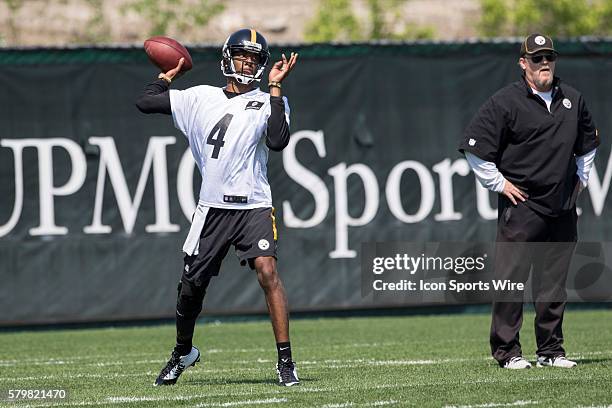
[274, 224]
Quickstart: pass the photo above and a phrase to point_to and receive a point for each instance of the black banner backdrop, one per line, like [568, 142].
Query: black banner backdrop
[95, 197]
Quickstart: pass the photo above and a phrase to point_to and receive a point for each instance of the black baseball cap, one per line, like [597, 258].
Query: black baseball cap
[535, 43]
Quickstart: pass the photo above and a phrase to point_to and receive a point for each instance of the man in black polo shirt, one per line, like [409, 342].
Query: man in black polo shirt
[533, 142]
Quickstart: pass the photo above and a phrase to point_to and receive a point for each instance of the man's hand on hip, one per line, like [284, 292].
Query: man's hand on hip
[514, 193]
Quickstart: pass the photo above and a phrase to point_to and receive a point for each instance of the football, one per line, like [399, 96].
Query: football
[165, 53]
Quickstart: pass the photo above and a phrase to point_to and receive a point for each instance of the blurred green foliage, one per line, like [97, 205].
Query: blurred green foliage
[335, 20]
[557, 18]
[180, 15]
[13, 7]
[97, 29]
[161, 16]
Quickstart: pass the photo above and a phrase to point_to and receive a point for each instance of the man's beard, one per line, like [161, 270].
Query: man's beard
[543, 83]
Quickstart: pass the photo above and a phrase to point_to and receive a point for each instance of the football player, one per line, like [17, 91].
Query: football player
[230, 131]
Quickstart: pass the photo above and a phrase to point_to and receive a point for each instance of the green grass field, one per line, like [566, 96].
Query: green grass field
[358, 362]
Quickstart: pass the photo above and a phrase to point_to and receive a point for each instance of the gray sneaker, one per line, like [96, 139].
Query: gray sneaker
[559, 361]
[517, 363]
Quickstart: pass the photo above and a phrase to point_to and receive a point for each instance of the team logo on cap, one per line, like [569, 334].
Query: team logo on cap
[567, 103]
[263, 244]
[540, 40]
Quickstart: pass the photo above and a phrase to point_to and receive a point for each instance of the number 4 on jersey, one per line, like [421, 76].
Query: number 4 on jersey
[220, 128]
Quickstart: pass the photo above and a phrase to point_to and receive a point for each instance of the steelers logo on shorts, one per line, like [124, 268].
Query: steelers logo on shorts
[263, 244]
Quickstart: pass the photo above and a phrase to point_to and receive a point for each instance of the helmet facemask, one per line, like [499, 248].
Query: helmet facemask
[229, 69]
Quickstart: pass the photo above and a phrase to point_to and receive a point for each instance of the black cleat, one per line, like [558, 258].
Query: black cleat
[287, 373]
[176, 365]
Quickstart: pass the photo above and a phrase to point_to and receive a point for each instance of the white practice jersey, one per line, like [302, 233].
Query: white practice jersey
[227, 139]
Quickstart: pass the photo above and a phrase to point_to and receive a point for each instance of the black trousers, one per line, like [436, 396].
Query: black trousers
[527, 240]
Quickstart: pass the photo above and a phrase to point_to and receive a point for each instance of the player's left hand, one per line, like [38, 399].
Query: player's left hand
[280, 70]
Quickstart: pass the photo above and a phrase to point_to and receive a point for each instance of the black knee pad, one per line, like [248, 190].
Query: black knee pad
[190, 298]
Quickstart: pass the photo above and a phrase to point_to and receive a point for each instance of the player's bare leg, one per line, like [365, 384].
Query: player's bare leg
[276, 299]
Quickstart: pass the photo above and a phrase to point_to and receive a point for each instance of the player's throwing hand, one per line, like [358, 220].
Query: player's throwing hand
[175, 71]
[280, 70]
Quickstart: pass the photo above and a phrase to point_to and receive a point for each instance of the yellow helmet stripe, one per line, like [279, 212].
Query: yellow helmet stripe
[253, 36]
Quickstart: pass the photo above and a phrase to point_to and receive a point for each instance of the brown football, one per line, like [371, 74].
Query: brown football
[165, 53]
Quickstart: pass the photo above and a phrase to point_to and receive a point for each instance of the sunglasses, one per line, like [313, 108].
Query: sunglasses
[539, 58]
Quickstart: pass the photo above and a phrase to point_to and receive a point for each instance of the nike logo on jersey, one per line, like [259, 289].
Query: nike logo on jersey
[254, 105]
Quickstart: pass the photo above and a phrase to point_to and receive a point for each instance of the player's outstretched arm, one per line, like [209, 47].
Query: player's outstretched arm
[278, 129]
[280, 70]
[156, 97]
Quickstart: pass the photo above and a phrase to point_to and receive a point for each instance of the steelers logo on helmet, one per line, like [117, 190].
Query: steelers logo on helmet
[246, 40]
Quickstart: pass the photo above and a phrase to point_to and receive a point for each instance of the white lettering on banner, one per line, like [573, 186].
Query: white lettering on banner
[598, 191]
[394, 199]
[306, 179]
[340, 173]
[17, 146]
[45, 181]
[155, 165]
[446, 170]
[47, 191]
[184, 184]
[155, 158]
[483, 204]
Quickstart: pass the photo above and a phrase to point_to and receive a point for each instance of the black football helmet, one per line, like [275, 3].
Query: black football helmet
[247, 40]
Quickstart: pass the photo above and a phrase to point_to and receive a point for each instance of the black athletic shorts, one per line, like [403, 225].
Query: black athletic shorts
[252, 232]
